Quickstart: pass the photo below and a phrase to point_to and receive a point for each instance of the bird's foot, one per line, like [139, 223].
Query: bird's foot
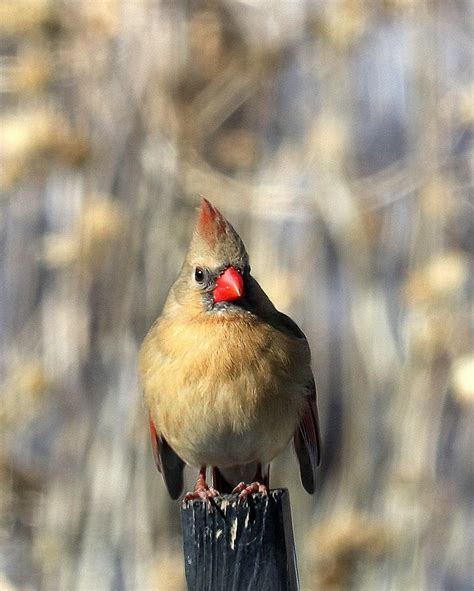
[202, 492]
[244, 490]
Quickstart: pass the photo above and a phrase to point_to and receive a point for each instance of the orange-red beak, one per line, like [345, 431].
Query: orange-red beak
[229, 286]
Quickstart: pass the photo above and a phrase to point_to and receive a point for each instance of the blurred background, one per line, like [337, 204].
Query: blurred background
[337, 136]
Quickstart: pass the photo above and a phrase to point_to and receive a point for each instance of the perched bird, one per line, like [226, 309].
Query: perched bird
[226, 377]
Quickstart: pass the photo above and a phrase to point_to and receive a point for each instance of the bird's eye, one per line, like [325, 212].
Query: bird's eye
[199, 274]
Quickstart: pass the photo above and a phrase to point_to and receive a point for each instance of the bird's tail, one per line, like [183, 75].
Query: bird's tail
[220, 483]
[248, 474]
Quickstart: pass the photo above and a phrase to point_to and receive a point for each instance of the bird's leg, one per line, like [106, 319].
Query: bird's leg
[260, 486]
[201, 489]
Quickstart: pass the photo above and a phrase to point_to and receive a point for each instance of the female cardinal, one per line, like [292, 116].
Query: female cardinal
[226, 376]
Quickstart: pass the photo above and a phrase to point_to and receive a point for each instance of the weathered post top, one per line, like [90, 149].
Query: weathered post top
[247, 546]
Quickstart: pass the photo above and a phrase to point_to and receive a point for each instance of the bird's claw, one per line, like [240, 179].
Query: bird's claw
[244, 490]
[204, 493]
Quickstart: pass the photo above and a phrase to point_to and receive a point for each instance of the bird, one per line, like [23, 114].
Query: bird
[226, 377]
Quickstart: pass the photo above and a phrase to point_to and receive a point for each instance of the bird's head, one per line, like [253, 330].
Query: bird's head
[216, 266]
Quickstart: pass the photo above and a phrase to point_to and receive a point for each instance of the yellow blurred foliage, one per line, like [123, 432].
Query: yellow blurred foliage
[24, 16]
[438, 281]
[462, 379]
[22, 391]
[30, 139]
[343, 544]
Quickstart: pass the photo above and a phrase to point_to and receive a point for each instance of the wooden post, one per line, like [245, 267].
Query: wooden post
[240, 547]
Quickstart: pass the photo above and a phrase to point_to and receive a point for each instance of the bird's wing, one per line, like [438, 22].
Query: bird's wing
[307, 441]
[167, 461]
[306, 438]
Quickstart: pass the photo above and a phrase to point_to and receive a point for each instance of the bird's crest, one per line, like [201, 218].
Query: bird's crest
[215, 242]
[211, 224]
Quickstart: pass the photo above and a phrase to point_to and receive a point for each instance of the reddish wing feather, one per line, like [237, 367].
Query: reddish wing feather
[167, 461]
[310, 429]
[154, 443]
[307, 441]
